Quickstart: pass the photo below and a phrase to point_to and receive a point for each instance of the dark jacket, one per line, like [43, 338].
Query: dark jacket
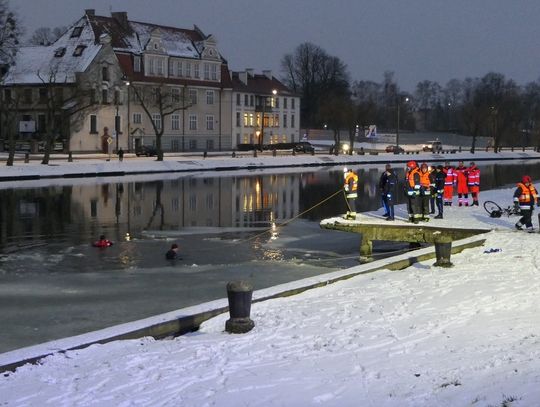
[171, 255]
[438, 180]
[388, 183]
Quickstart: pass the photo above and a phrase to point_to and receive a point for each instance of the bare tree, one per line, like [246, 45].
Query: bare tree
[166, 100]
[46, 35]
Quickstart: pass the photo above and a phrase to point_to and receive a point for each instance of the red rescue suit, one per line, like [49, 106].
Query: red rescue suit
[449, 183]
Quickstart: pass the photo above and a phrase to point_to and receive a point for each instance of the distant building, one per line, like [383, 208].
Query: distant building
[255, 96]
[100, 86]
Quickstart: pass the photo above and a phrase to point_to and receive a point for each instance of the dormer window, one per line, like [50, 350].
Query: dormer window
[79, 50]
[76, 32]
[60, 52]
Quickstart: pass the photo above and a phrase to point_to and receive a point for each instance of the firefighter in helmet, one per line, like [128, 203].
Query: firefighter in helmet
[412, 188]
[525, 197]
[350, 186]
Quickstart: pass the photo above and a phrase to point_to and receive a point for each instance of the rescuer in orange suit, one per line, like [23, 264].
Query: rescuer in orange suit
[350, 186]
[449, 183]
[412, 188]
[525, 197]
[462, 189]
[473, 182]
[425, 191]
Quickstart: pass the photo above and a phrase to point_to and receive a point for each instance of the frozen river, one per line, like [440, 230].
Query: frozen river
[53, 283]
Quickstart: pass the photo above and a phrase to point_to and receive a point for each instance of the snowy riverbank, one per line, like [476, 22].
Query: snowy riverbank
[423, 336]
[98, 166]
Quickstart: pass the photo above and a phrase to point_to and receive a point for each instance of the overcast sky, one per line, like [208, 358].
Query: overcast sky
[417, 39]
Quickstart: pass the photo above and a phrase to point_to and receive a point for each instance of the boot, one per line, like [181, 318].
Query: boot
[439, 216]
[519, 226]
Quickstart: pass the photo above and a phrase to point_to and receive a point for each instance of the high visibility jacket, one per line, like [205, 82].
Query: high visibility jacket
[425, 180]
[413, 182]
[526, 196]
[473, 177]
[451, 176]
[461, 180]
[351, 184]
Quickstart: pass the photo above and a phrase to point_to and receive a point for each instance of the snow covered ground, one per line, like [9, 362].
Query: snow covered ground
[423, 336]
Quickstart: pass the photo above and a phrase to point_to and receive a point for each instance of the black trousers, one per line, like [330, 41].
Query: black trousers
[526, 217]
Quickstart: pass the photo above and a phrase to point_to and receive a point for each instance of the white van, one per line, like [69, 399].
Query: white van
[435, 146]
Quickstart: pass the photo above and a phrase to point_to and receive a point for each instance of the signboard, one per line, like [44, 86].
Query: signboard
[28, 126]
[371, 131]
[109, 140]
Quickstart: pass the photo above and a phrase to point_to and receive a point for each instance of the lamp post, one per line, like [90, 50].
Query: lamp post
[398, 121]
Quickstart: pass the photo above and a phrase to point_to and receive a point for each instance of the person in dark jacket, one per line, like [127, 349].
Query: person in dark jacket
[438, 182]
[172, 254]
[525, 198]
[388, 187]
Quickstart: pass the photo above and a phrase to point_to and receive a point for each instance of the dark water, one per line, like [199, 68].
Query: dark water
[53, 283]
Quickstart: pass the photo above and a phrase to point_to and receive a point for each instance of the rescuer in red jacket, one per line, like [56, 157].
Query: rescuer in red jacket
[449, 183]
[461, 183]
[473, 182]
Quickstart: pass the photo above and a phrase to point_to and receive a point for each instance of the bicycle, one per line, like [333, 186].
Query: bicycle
[495, 211]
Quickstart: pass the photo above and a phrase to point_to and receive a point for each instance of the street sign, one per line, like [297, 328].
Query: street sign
[109, 140]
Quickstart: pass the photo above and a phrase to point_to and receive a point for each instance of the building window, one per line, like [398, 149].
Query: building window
[192, 199]
[171, 68]
[292, 103]
[105, 96]
[193, 96]
[238, 99]
[137, 64]
[251, 100]
[209, 122]
[76, 32]
[79, 50]
[292, 120]
[175, 95]
[284, 103]
[213, 72]
[284, 120]
[206, 71]
[28, 96]
[209, 97]
[104, 73]
[196, 70]
[41, 123]
[209, 144]
[42, 95]
[246, 120]
[118, 124]
[156, 118]
[276, 102]
[175, 122]
[188, 69]
[179, 68]
[151, 66]
[159, 64]
[209, 196]
[192, 144]
[93, 124]
[238, 119]
[246, 100]
[193, 122]
[137, 118]
[60, 52]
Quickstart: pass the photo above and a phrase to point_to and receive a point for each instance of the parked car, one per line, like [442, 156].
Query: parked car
[147, 151]
[394, 149]
[304, 147]
[434, 146]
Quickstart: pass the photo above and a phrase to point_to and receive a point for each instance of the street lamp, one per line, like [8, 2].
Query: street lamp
[406, 99]
[261, 139]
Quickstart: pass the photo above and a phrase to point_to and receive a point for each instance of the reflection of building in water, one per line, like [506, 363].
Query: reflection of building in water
[260, 200]
[189, 202]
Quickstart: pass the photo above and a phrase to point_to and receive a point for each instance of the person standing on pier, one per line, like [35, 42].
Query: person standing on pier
[425, 191]
[449, 183]
[473, 182]
[412, 186]
[387, 186]
[525, 198]
[462, 189]
[438, 180]
[350, 186]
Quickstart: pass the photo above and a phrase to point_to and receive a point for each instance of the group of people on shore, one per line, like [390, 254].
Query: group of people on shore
[430, 189]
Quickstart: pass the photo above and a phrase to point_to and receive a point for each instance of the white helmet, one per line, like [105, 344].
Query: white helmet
[345, 170]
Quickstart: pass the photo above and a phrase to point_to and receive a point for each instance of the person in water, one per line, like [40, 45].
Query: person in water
[102, 242]
[172, 254]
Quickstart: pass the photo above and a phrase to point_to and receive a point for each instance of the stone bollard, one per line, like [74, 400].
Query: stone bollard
[239, 295]
[443, 250]
[293, 152]
[274, 152]
[233, 155]
[313, 152]
[255, 153]
[26, 158]
[205, 154]
[70, 157]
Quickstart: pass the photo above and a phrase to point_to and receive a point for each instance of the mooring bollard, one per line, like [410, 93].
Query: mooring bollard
[274, 152]
[255, 153]
[70, 157]
[205, 154]
[443, 250]
[26, 158]
[239, 294]
[233, 155]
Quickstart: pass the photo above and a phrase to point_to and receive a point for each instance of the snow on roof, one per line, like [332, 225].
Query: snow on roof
[38, 64]
[175, 41]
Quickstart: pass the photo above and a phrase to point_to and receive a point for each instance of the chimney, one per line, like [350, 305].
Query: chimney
[249, 71]
[104, 39]
[90, 12]
[268, 74]
[243, 76]
[121, 18]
